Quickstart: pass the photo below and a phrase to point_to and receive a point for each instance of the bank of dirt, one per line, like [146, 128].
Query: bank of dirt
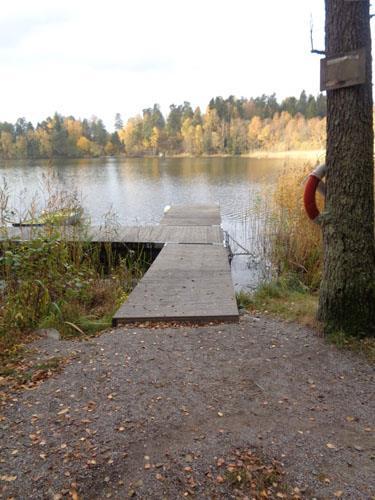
[162, 413]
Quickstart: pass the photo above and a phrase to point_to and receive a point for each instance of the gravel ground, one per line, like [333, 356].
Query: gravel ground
[153, 413]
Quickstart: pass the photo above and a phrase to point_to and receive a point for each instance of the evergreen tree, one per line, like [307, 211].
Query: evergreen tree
[119, 124]
[347, 294]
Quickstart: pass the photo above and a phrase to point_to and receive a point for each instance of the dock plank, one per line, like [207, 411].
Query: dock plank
[196, 215]
[131, 234]
[185, 283]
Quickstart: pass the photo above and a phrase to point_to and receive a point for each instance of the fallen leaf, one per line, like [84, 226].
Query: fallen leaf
[219, 479]
[331, 446]
[74, 494]
[8, 478]
[62, 412]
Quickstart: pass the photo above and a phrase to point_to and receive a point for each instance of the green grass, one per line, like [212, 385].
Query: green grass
[286, 298]
[290, 300]
[364, 346]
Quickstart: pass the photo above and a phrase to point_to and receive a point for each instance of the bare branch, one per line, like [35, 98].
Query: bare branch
[314, 51]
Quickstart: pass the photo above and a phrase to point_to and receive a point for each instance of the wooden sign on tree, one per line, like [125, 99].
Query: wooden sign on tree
[344, 70]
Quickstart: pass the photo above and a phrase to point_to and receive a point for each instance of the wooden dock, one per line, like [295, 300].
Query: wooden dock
[158, 235]
[190, 279]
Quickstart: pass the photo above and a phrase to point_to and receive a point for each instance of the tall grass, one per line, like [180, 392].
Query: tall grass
[290, 245]
[294, 242]
[50, 281]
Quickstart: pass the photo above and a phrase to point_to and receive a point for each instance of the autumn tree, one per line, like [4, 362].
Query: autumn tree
[230, 125]
[347, 295]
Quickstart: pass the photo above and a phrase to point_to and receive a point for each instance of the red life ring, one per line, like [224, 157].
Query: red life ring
[314, 183]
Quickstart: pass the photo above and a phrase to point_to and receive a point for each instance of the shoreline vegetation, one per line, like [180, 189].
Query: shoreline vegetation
[303, 154]
[46, 283]
[229, 127]
[292, 244]
[312, 155]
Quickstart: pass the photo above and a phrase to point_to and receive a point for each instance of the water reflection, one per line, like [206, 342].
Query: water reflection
[138, 189]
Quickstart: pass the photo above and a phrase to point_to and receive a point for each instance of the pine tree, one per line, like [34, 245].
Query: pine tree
[347, 295]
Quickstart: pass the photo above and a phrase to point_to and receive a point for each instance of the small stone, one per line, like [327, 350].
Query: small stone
[49, 333]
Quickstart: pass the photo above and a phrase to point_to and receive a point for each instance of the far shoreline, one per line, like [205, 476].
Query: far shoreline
[312, 155]
[305, 154]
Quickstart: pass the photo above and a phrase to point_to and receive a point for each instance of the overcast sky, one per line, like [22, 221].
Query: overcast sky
[85, 58]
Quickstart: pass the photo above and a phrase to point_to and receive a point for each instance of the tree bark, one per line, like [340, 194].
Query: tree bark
[347, 294]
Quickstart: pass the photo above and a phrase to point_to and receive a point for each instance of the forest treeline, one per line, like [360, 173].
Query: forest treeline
[228, 126]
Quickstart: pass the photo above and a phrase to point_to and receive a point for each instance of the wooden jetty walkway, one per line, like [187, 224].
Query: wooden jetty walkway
[190, 279]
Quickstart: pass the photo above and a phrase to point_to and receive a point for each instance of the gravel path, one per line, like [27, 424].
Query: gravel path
[149, 413]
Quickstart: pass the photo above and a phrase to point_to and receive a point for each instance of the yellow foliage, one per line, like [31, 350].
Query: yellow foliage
[84, 145]
[198, 140]
[284, 132]
[73, 127]
[155, 138]
[255, 127]
[45, 142]
[296, 241]
[109, 149]
[6, 144]
[131, 135]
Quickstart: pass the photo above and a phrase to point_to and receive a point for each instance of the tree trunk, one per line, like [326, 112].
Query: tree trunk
[347, 295]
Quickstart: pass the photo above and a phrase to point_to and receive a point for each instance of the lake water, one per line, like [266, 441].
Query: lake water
[137, 190]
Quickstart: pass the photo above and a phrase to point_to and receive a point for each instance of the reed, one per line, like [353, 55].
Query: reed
[72, 286]
[294, 242]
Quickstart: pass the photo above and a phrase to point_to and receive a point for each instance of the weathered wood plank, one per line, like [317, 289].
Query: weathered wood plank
[146, 234]
[185, 283]
[195, 215]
